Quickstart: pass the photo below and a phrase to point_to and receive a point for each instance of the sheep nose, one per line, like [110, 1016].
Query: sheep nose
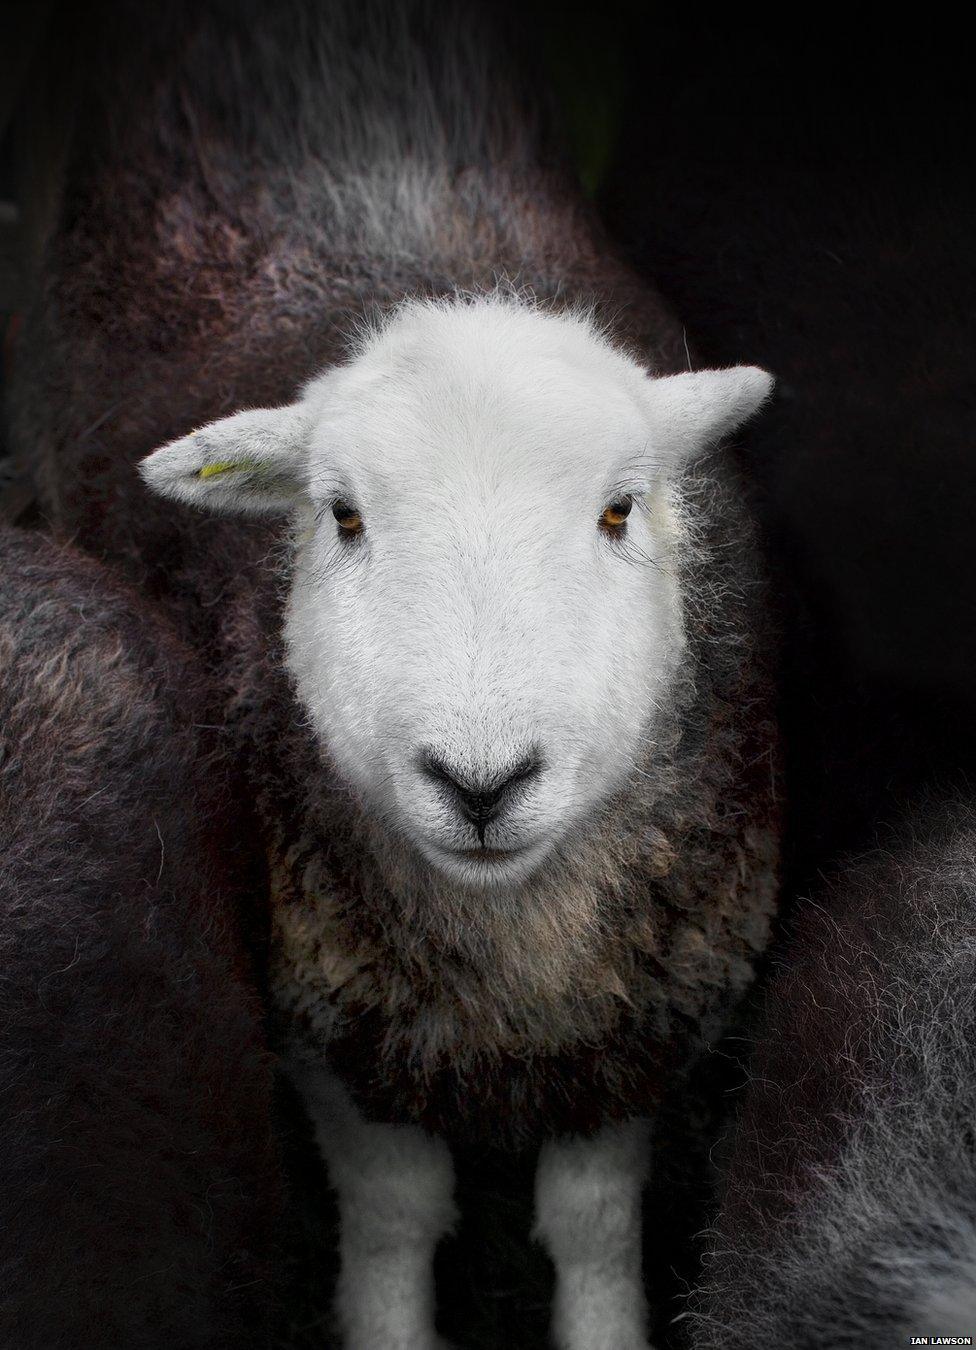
[480, 798]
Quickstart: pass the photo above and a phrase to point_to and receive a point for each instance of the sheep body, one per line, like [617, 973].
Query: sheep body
[139, 1183]
[437, 628]
[199, 247]
[850, 1190]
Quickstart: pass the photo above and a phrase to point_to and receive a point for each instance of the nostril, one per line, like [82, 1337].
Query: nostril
[435, 767]
[479, 796]
[529, 766]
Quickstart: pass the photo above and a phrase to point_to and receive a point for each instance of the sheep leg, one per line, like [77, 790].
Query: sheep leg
[395, 1188]
[588, 1215]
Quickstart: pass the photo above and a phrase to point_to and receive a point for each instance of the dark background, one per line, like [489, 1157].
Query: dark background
[803, 194]
[800, 187]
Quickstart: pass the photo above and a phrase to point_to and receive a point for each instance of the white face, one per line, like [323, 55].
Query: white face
[482, 620]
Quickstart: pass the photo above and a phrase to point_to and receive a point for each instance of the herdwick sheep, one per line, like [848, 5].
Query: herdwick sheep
[138, 1174]
[493, 645]
[849, 1213]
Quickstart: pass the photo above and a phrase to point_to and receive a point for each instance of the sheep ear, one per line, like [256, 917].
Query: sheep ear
[694, 411]
[254, 463]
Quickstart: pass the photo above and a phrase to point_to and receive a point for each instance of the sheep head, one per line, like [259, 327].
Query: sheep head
[485, 611]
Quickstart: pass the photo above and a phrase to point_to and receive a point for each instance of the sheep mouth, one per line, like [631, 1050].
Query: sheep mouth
[490, 855]
[486, 867]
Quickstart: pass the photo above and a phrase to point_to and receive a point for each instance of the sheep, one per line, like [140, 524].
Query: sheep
[849, 1209]
[494, 640]
[138, 1167]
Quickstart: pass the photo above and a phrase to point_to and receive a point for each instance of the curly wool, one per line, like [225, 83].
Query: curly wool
[138, 1172]
[848, 1213]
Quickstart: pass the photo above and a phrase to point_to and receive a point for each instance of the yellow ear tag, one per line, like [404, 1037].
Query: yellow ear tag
[227, 466]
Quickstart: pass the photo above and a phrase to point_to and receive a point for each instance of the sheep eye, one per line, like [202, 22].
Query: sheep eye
[348, 518]
[614, 517]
